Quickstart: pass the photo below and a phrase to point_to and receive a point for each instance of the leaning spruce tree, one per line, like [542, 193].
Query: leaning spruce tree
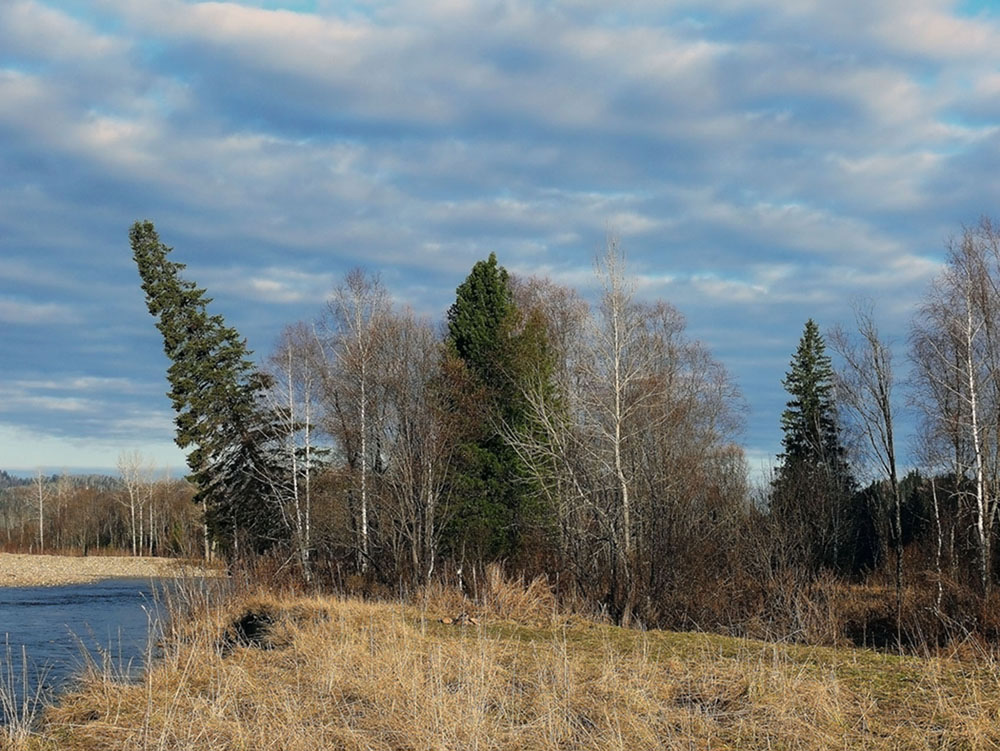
[216, 392]
[813, 485]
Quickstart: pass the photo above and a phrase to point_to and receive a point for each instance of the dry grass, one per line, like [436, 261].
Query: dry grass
[330, 673]
[501, 599]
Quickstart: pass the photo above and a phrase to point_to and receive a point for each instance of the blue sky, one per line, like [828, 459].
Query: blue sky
[762, 163]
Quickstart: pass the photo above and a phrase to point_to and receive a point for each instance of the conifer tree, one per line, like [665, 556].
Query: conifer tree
[486, 333]
[216, 392]
[813, 484]
[809, 421]
[480, 320]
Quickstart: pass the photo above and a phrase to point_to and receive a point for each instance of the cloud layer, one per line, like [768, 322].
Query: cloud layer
[762, 163]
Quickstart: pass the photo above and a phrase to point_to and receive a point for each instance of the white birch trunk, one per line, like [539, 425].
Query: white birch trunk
[364, 476]
[40, 482]
[982, 534]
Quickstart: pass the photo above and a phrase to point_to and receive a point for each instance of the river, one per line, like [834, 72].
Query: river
[57, 627]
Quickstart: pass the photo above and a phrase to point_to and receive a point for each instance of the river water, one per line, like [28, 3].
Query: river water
[111, 621]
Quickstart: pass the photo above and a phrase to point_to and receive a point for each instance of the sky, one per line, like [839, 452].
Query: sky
[761, 163]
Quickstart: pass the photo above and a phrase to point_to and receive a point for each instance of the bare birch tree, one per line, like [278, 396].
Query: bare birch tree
[42, 493]
[636, 431]
[356, 318]
[137, 477]
[956, 345]
[295, 388]
[865, 386]
[553, 452]
[421, 439]
[617, 364]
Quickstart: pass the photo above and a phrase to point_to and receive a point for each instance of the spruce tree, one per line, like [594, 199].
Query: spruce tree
[813, 486]
[809, 421]
[481, 320]
[486, 333]
[216, 392]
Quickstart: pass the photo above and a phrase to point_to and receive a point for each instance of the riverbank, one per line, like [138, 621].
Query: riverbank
[301, 673]
[29, 570]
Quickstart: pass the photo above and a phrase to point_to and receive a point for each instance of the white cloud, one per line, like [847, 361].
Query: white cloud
[930, 29]
[25, 450]
[32, 30]
[269, 285]
[34, 313]
[628, 223]
[778, 156]
[85, 383]
[728, 290]
[891, 181]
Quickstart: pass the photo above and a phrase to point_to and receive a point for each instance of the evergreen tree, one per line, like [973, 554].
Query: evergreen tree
[486, 333]
[813, 487]
[216, 392]
[809, 421]
[481, 321]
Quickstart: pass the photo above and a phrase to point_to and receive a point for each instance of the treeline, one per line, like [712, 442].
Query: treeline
[141, 515]
[597, 443]
[9, 481]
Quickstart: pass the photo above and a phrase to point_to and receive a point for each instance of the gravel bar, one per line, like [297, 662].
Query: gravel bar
[27, 570]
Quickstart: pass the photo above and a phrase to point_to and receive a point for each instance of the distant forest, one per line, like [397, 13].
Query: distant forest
[135, 513]
[9, 481]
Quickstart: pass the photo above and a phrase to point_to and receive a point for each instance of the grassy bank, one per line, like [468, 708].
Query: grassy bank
[266, 672]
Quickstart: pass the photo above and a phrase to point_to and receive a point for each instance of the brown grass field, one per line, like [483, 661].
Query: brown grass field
[338, 673]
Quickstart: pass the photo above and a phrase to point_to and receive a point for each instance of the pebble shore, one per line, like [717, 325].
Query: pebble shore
[27, 570]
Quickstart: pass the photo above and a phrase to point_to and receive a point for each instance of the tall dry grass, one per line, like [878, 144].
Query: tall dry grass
[22, 696]
[295, 672]
[498, 598]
